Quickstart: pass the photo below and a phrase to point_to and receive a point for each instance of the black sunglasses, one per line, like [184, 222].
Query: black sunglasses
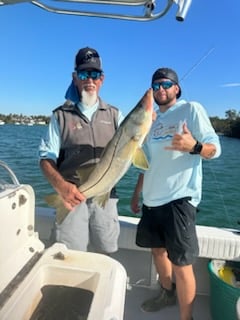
[164, 84]
[84, 75]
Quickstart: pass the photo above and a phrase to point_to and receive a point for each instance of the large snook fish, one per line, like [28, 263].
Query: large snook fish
[122, 150]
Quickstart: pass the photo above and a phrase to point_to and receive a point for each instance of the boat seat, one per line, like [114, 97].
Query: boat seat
[218, 243]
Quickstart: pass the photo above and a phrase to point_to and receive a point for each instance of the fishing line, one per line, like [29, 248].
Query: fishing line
[194, 66]
[226, 213]
[197, 63]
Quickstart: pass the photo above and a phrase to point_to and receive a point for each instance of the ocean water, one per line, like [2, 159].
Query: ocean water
[220, 205]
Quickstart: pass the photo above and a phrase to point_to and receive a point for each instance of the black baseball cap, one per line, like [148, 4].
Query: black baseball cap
[167, 73]
[88, 58]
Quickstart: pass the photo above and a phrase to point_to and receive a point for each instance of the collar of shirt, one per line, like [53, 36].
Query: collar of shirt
[88, 111]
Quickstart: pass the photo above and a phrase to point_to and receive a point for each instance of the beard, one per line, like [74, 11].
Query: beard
[88, 98]
[164, 101]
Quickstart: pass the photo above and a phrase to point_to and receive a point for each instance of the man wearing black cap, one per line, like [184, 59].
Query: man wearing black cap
[179, 138]
[78, 132]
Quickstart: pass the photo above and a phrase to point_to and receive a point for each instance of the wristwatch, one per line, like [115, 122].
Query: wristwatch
[197, 148]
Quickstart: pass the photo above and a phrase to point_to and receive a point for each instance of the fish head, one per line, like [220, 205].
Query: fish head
[138, 122]
[147, 101]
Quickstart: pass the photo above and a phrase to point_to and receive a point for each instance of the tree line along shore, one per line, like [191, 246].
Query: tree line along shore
[229, 126]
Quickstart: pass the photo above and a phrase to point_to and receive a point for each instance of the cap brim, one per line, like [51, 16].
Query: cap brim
[87, 66]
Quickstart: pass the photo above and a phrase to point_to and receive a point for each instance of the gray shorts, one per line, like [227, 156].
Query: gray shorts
[88, 225]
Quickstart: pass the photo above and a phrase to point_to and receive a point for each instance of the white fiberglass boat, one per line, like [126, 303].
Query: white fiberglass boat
[53, 283]
[108, 288]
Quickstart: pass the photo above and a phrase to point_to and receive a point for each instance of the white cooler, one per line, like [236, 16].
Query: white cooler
[56, 283]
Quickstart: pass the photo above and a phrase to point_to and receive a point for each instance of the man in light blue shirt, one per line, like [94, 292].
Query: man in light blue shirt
[180, 137]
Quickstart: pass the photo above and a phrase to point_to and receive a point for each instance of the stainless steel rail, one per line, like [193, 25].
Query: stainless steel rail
[11, 173]
[149, 13]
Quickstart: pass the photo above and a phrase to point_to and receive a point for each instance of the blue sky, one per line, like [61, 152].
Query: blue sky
[37, 50]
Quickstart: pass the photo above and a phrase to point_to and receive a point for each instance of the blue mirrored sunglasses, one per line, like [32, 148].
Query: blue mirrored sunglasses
[84, 75]
[164, 84]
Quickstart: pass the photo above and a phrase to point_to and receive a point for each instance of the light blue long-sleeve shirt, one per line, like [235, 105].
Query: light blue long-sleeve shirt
[174, 174]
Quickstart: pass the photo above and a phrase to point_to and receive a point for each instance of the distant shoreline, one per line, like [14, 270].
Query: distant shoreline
[24, 120]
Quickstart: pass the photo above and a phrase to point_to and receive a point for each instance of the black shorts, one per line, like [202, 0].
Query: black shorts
[170, 226]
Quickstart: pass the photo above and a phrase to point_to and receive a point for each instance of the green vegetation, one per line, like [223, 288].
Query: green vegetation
[230, 126]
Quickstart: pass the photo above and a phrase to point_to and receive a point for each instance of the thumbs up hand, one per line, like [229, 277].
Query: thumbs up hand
[182, 141]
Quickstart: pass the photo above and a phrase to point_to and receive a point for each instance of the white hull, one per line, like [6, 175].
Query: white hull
[25, 234]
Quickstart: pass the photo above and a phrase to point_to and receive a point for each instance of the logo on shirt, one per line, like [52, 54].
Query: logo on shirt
[105, 122]
[76, 126]
[161, 131]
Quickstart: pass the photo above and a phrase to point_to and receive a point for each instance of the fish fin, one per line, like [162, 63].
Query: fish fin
[61, 213]
[140, 159]
[84, 172]
[54, 200]
[102, 199]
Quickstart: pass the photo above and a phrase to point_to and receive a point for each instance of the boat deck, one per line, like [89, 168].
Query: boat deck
[137, 295]
[139, 290]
